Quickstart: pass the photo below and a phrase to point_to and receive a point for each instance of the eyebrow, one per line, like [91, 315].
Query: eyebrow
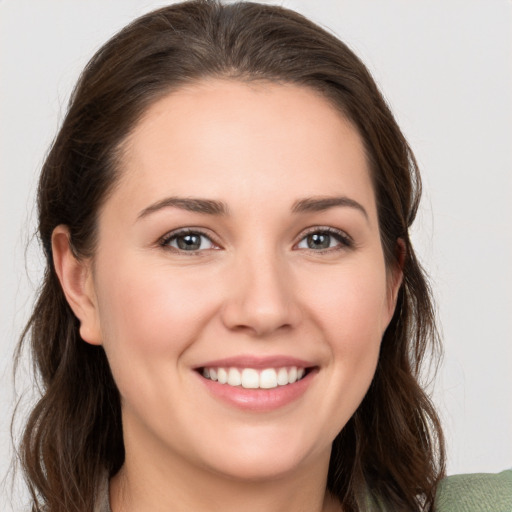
[213, 207]
[319, 204]
[208, 206]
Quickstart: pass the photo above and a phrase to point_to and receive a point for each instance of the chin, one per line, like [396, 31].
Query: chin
[265, 460]
[258, 469]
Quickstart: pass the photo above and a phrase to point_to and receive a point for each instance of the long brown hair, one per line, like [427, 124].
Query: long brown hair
[392, 448]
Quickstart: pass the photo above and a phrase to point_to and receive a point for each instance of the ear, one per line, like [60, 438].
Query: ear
[395, 276]
[76, 280]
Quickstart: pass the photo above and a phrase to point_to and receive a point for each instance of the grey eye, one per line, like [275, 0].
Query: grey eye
[322, 240]
[189, 242]
[318, 241]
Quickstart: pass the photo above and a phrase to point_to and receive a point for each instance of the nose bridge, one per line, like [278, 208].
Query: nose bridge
[261, 298]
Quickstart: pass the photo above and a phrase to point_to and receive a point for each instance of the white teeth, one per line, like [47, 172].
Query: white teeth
[250, 378]
[234, 377]
[282, 377]
[222, 375]
[268, 379]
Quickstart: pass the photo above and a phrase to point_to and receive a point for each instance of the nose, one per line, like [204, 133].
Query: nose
[261, 298]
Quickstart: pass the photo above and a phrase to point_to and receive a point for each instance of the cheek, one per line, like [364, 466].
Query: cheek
[350, 304]
[152, 311]
[350, 310]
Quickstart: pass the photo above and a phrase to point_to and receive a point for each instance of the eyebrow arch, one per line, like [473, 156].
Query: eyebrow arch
[213, 207]
[207, 206]
[318, 204]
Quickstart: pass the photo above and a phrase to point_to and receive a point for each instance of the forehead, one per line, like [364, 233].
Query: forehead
[227, 139]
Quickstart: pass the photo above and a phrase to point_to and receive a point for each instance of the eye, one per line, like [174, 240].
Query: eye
[321, 239]
[188, 241]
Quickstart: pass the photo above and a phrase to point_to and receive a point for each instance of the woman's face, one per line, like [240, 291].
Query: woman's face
[241, 243]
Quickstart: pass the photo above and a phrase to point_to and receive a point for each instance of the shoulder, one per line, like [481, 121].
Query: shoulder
[479, 492]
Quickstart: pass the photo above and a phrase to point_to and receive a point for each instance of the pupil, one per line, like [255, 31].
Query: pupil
[318, 241]
[189, 242]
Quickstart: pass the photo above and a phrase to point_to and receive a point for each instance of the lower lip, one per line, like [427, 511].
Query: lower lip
[259, 400]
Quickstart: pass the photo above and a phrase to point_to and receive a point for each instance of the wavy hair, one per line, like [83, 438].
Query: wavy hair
[392, 448]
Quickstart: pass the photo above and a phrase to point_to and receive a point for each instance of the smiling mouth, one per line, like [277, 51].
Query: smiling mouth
[251, 378]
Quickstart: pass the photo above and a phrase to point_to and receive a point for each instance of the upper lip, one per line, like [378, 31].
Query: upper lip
[247, 361]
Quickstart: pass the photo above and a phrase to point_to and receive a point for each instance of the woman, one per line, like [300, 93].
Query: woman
[232, 315]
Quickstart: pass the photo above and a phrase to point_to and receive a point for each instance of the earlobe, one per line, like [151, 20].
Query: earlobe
[75, 276]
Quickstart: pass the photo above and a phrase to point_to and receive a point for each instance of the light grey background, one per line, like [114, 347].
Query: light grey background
[445, 68]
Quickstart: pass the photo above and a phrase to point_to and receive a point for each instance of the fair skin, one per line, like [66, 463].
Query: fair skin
[280, 269]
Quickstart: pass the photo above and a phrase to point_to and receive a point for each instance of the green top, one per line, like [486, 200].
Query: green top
[479, 492]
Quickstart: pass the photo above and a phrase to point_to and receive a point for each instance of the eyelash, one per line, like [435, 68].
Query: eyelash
[344, 240]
